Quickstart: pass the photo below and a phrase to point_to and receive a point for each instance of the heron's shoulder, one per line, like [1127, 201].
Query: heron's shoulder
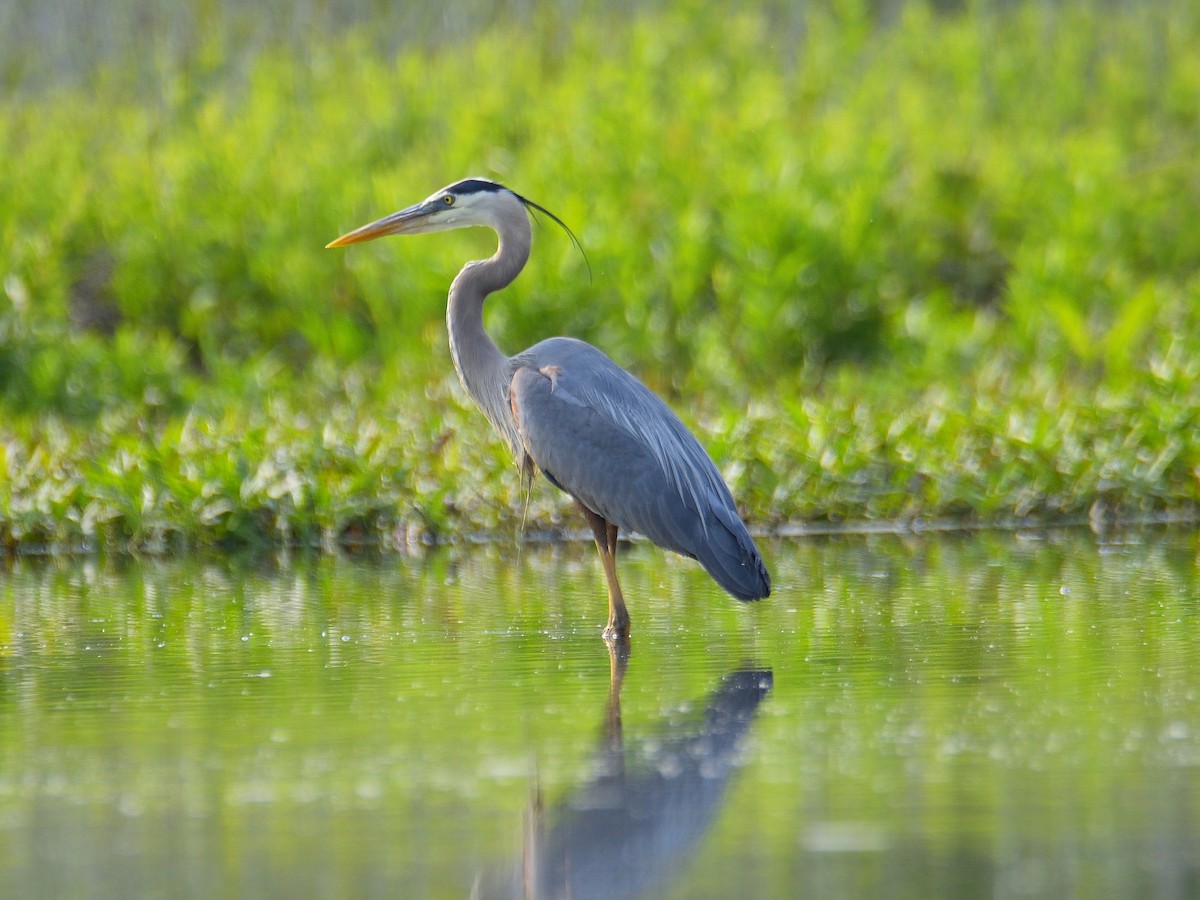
[589, 370]
[563, 350]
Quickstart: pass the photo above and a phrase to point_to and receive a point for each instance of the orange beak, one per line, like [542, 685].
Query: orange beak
[407, 221]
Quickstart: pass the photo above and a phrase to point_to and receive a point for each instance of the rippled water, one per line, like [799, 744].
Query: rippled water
[1000, 715]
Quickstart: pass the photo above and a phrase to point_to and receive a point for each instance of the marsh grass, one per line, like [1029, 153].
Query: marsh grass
[942, 265]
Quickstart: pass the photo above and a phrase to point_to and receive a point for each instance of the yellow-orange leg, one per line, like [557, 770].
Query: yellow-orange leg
[605, 534]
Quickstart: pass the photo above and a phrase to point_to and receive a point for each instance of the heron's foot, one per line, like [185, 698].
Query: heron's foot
[616, 632]
[617, 628]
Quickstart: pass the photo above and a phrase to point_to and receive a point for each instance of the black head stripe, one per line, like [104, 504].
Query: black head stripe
[475, 186]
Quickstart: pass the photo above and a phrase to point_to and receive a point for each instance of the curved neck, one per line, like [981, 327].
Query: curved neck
[482, 368]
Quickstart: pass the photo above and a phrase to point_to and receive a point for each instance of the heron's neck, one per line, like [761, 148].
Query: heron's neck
[484, 371]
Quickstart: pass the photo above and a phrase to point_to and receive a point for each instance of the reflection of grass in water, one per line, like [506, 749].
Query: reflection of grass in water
[937, 702]
[941, 267]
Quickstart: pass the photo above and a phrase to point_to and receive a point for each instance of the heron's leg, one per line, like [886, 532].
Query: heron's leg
[618, 615]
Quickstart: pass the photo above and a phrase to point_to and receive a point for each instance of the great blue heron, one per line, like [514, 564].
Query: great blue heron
[563, 407]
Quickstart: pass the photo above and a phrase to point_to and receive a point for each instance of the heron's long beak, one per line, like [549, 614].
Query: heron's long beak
[407, 221]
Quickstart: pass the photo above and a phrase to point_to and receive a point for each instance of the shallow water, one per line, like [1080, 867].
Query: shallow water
[1001, 715]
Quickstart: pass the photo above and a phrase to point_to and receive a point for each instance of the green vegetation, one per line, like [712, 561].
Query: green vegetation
[939, 266]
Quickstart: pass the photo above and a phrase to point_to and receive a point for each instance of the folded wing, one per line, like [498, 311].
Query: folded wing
[603, 437]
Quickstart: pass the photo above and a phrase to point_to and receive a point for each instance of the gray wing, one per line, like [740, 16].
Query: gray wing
[603, 437]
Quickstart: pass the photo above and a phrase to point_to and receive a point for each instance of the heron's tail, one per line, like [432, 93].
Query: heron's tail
[730, 557]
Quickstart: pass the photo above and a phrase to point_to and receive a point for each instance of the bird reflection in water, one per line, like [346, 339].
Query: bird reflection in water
[641, 815]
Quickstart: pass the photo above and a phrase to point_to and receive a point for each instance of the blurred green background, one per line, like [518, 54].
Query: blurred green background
[891, 260]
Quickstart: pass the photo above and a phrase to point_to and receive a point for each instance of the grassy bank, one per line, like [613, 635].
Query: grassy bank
[344, 468]
[938, 266]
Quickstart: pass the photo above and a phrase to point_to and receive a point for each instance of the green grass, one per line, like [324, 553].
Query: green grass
[939, 267]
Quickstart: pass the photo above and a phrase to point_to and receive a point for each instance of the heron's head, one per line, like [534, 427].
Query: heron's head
[472, 201]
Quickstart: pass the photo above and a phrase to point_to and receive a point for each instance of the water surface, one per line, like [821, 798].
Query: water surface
[1000, 715]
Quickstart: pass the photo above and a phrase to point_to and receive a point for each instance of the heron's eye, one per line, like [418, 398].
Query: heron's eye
[448, 199]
